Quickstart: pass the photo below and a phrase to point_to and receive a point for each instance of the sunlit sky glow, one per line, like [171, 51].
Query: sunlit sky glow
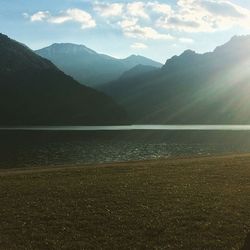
[156, 29]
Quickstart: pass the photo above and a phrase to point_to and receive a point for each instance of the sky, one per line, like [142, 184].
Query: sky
[155, 29]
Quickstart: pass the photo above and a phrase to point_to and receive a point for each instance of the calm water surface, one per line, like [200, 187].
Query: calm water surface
[53, 146]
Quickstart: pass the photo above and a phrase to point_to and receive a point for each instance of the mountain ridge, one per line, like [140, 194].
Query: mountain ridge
[192, 88]
[33, 91]
[89, 67]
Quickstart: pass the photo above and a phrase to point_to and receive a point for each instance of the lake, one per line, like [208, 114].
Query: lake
[55, 146]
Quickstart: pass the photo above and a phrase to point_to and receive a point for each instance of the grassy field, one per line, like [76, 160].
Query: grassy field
[199, 203]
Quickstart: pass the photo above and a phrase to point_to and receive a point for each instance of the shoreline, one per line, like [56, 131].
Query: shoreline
[132, 163]
[131, 127]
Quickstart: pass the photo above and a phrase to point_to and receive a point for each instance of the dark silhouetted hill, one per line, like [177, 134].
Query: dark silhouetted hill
[35, 92]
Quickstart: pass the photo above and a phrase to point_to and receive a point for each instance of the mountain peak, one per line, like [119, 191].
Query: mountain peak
[210, 88]
[34, 92]
[15, 57]
[88, 66]
[67, 48]
[237, 44]
[240, 38]
[133, 56]
[137, 59]
[3, 36]
[177, 61]
[188, 52]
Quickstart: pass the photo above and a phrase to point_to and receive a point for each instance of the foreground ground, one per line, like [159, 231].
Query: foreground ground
[199, 203]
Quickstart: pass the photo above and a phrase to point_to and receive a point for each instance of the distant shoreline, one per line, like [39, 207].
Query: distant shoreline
[131, 128]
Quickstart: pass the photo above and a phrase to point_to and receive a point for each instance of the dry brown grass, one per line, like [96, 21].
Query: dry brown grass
[198, 203]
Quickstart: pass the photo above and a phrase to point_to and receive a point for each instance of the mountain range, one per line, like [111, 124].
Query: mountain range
[210, 88]
[192, 88]
[89, 67]
[33, 91]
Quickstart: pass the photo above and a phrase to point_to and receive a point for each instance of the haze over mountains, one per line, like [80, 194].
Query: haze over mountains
[89, 67]
[33, 91]
[211, 88]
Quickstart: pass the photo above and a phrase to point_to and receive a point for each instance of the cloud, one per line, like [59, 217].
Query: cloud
[71, 15]
[160, 8]
[137, 9]
[154, 19]
[131, 18]
[177, 21]
[223, 8]
[205, 16]
[186, 40]
[109, 10]
[39, 16]
[145, 33]
[183, 16]
[26, 15]
[139, 46]
[131, 28]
